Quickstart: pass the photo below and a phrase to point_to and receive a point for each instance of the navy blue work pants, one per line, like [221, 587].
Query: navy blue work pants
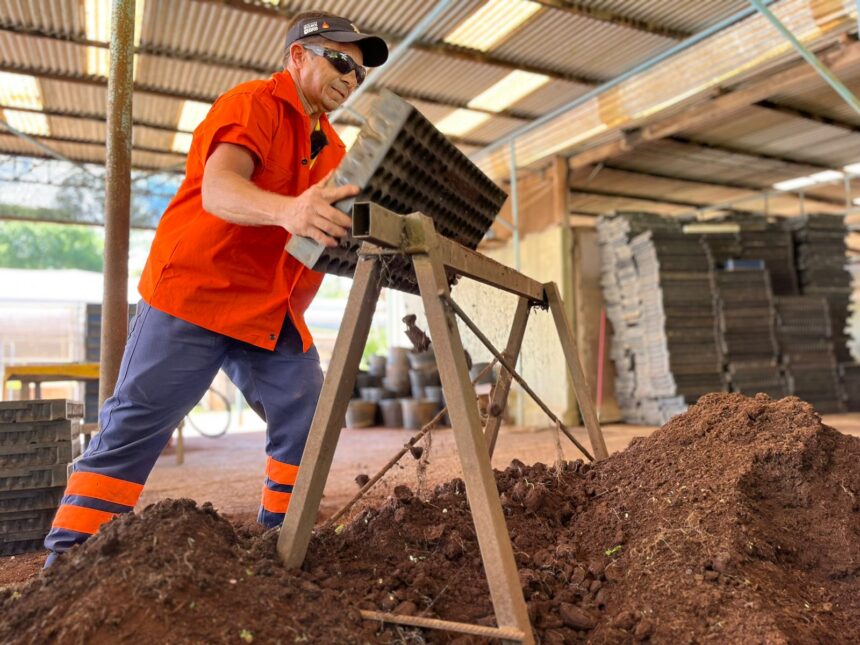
[167, 367]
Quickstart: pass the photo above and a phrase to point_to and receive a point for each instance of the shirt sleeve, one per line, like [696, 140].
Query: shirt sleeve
[241, 119]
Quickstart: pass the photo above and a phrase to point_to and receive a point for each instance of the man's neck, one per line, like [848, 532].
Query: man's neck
[314, 116]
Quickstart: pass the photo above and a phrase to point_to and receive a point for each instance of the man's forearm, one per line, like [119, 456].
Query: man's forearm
[235, 199]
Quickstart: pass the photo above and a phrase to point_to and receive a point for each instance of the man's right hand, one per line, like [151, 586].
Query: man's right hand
[312, 215]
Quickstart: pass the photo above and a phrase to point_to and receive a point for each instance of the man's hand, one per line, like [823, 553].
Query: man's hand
[312, 215]
[229, 193]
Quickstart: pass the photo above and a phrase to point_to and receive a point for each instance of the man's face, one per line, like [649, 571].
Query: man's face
[323, 87]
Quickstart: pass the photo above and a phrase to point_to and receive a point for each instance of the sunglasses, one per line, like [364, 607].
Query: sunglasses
[343, 63]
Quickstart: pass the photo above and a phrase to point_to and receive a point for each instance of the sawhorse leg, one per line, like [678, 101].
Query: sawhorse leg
[328, 420]
[580, 386]
[503, 387]
[493, 538]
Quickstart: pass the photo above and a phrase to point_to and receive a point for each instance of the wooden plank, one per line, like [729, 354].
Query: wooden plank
[328, 419]
[580, 386]
[503, 386]
[496, 551]
[502, 633]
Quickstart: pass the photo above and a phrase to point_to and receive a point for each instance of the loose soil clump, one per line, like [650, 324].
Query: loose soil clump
[738, 521]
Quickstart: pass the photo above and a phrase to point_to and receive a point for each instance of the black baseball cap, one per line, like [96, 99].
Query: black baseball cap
[340, 30]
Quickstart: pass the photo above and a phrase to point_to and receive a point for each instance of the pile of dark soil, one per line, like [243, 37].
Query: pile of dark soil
[738, 521]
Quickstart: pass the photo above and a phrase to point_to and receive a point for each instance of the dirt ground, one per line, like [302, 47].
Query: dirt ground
[228, 472]
[736, 522]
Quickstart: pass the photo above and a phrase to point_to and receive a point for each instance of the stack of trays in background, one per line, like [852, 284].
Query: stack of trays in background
[849, 375]
[747, 337]
[803, 331]
[679, 317]
[772, 244]
[657, 286]
[853, 323]
[619, 281]
[821, 260]
[38, 441]
[722, 247]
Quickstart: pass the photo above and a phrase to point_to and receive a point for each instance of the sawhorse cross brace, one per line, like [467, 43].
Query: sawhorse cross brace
[433, 257]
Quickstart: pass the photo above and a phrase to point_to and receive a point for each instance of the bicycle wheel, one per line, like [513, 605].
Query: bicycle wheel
[211, 416]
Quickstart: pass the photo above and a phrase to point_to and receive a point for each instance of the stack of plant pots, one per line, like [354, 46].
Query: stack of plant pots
[424, 382]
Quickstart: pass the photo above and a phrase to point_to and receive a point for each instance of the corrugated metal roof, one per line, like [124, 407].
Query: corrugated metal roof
[193, 78]
[437, 76]
[387, 16]
[495, 128]
[215, 30]
[682, 15]
[554, 40]
[552, 95]
[46, 55]
[774, 133]
[77, 128]
[44, 14]
[63, 95]
[567, 43]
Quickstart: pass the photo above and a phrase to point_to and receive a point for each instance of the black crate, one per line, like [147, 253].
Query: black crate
[39, 432]
[38, 499]
[26, 521]
[40, 454]
[403, 163]
[39, 410]
[22, 542]
[29, 478]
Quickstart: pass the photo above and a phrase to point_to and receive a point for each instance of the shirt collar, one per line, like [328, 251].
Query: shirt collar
[285, 89]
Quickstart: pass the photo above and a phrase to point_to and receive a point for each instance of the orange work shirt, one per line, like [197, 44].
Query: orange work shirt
[231, 279]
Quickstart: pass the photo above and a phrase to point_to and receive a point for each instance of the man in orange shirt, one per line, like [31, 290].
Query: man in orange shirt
[218, 288]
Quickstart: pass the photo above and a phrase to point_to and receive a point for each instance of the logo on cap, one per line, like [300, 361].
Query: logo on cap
[310, 28]
[325, 25]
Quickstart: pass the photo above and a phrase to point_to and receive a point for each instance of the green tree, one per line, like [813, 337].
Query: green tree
[37, 245]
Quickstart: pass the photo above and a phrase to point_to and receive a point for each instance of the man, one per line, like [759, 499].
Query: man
[218, 288]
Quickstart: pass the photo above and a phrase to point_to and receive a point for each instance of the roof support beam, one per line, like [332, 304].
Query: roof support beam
[441, 48]
[643, 198]
[805, 167]
[746, 188]
[154, 170]
[798, 113]
[602, 15]
[93, 116]
[38, 139]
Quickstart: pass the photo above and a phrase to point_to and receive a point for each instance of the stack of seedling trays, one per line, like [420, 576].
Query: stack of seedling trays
[621, 299]
[747, 335]
[821, 264]
[722, 247]
[773, 245]
[853, 323]
[38, 441]
[803, 331]
[678, 311]
[656, 284]
[849, 375]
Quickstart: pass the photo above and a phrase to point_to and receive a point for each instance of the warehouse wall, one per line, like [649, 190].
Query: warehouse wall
[546, 257]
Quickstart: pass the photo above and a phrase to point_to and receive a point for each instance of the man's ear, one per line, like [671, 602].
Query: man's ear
[297, 55]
